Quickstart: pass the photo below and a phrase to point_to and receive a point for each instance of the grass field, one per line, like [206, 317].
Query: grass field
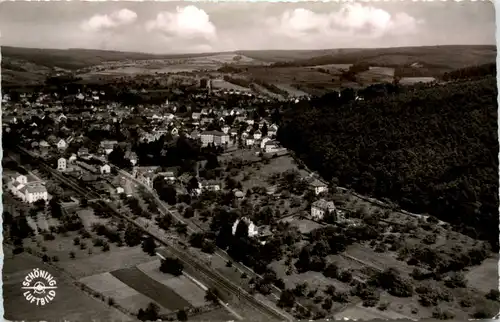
[105, 262]
[485, 276]
[359, 312]
[379, 260]
[125, 296]
[219, 314]
[144, 284]
[70, 303]
[180, 284]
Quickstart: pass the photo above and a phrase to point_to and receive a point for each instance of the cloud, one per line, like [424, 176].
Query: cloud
[352, 19]
[116, 19]
[185, 23]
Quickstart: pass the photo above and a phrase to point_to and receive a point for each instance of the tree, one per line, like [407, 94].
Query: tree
[172, 266]
[331, 271]
[182, 315]
[189, 212]
[149, 246]
[493, 295]
[212, 295]
[55, 208]
[149, 314]
[287, 299]
[133, 236]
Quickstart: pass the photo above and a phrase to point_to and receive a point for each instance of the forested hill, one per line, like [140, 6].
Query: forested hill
[431, 150]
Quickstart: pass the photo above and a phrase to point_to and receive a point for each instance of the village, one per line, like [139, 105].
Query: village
[204, 173]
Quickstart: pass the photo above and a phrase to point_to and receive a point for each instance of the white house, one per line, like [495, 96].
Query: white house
[271, 147]
[257, 135]
[120, 190]
[105, 168]
[225, 129]
[210, 185]
[27, 192]
[272, 130]
[318, 186]
[249, 141]
[321, 207]
[61, 164]
[34, 193]
[72, 158]
[62, 144]
[252, 229]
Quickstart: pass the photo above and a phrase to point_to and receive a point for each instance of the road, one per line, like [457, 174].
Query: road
[199, 267]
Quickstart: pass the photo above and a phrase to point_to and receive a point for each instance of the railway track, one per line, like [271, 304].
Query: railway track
[215, 278]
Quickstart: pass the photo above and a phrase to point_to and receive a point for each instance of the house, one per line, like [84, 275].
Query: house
[210, 185]
[257, 135]
[233, 132]
[249, 142]
[145, 175]
[72, 158]
[272, 130]
[120, 190]
[321, 207]
[27, 191]
[105, 169]
[225, 129]
[206, 120]
[271, 147]
[174, 131]
[195, 116]
[108, 146]
[250, 121]
[61, 144]
[318, 186]
[83, 152]
[44, 144]
[35, 192]
[252, 229]
[132, 156]
[215, 137]
[61, 164]
[170, 176]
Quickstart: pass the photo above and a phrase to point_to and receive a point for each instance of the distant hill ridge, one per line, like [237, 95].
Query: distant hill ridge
[452, 56]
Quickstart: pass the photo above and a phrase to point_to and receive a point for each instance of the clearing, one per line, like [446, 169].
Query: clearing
[485, 276]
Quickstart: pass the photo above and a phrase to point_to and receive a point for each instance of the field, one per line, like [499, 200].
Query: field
[70, 303]
[381, 261]
[359, 312]
[485, 276]
[125, 296]
[414, 80]
[181, 285]
[141, 282]
[222, 84]
[105, 262]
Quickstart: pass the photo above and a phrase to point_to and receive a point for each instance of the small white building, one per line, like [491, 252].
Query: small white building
[271, 147]
[62, 164]
[321, 207]
[257, 135]
[120, 190]
[249, 142]
[105, 169]
[318, 186]
[225, 129]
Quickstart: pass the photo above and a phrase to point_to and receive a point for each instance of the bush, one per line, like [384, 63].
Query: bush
[493, 295]
[456, 280]
[441, 314]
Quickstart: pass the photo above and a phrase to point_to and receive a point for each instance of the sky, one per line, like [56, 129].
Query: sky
[189, 27]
